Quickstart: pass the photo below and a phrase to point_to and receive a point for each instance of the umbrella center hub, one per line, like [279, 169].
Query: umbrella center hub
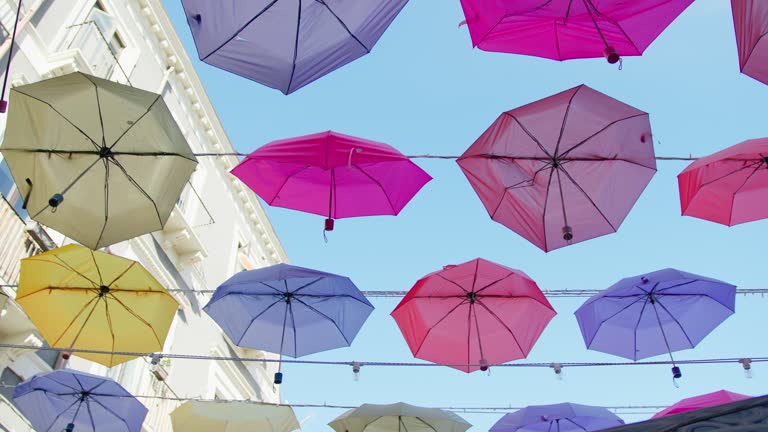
[472, 296]
[105, 152]
[103, 290]
[84, 395]
[652, 298]
[288, 297]
[555, 163]
[765, 161]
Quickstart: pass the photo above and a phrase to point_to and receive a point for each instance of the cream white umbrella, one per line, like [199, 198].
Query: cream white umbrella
[399, 417]
[98, 161]
[211, 416]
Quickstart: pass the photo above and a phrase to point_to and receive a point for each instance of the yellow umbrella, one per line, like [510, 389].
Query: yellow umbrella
[81, 299]
[200, 416]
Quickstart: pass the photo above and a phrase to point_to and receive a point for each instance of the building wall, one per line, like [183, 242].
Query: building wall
[218, 227]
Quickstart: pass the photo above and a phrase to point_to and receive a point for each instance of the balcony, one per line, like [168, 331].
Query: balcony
[179, 236]
[18, 240]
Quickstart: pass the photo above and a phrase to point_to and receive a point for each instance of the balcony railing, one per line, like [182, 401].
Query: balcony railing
[16, 243]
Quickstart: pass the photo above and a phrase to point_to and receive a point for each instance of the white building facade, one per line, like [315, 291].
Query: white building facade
[217, 228]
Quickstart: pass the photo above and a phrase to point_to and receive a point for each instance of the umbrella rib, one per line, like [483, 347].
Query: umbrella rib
[107, 409]
[695, 295]
[94, 290]
[494, 283]
[675, 286]
[95, 302]
[308, 284]
[136, 184]
[424, 339]
[426, 424]
[530, 181]
[609, 318]
[658, 300]
[474, 277]
[585, 140]
[324, 316]
[133, 263]
[254, 320]
[452, 282]
[98, 108]
[343, 24]
[282, 186]
[565, 115]
[295, 49]
[724, 176]
[96, 266]
[55, 419]
[503, 324]
[527, 132]
[339, 295]
[137, 121]
[616, 23]
[137, 316]
[736, 192]
[238, 31]
[60, 383]
[384, 191]
[588, 197]
[70, 185]
[575, 424]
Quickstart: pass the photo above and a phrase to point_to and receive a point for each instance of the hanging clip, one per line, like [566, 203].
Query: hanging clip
[356, 370]
[747, 365]
[349, 160]
[558, 369]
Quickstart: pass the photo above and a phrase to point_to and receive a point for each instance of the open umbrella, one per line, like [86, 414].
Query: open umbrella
[399, 417]
[199, 416]
[720, 397]
[287, 44]
[750, 18]
[729, 187]
[332, 175]
[81, 299]
[289, 310]
[564, 169]
[69, 400]
[569, 29]
[473, 315]
[564, 417]
[657, 313]
[98, 161]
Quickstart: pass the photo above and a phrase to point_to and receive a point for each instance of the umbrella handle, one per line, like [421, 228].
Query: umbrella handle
[70, 427]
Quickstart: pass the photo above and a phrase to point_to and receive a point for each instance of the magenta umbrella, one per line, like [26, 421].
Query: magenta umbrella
[721, 397]
[332, 175]
[569, 29]
[750, 19]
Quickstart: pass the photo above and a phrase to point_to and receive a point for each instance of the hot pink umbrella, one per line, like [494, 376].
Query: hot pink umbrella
[704, 401]
[750, 18]
[332, 175]
[569, 29]
[729, 187]
[564, 169]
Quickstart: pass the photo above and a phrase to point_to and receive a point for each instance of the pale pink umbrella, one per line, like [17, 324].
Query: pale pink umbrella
[569, 29]
[703, 401]
[750, 18]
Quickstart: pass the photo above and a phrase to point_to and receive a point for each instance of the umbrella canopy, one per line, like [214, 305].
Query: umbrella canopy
[569, 29]
[564, 169]
[660, 312]
[564, 417]
[750, 18]
[287, 44]
[98, 161]
[81, 299]
[720, 397]
[332, 175]
[398, 417]
[729, 187]
[69, 400]
[199, 416]
[473, 315]
[289, 310]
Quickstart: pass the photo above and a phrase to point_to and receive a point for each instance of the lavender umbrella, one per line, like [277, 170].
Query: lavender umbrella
[289, 310]
[564, 417]
[69, 400]
[661, 312]
[290, 43]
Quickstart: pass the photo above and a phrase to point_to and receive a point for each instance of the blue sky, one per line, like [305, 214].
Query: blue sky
[425, 90]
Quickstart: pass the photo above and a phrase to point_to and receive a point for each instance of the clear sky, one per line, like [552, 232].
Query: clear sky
[425, 90]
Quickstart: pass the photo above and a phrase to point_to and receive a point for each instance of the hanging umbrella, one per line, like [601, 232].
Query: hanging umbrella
[473, 315]
[86, 300]
[564, 417]
[287, 45]
[70, 400]
[729, 187]
[660, 312]
[332, 175]
[200, 416]
[721, 397]
[289, 310]
[569, 29]
[564, 169]
[95, 160]
[399, 417]
[750, 18]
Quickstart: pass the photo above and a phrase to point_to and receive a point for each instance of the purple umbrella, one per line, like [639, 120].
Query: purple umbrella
[69, 400]
[289, 310]
[661, 312]
[564, 417]
[287, 44]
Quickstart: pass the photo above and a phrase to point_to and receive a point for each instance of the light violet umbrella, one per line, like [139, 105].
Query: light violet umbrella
[657, 313]
[569, 29]
[563, 169]
[287, 44]
[333, 175]
[703, 401]
[473, 315]
[564, 417]
[729, 187]
[750, 19]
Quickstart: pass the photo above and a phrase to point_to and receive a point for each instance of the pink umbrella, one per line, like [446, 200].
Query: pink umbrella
[333, 175]
[704, 401]
[569, 29]
[564, 169]
[750, 18]
[729, 187]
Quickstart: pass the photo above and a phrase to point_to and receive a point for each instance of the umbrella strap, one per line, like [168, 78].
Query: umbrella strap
[10, 56]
